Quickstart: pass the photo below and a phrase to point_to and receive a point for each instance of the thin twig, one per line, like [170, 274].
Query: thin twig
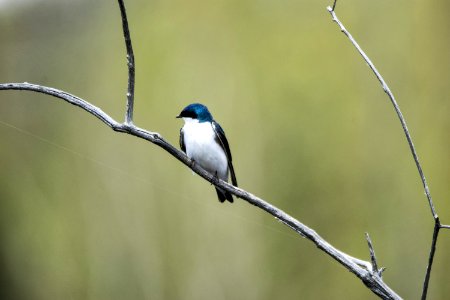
[360, 268]
[334, 5]
[410, 143]
[445, 226]
[387, 90]
[372, 253]
[130, 63]
[437, 226]
[373, 258]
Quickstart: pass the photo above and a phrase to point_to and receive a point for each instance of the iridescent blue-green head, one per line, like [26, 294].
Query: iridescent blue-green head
[196, 111]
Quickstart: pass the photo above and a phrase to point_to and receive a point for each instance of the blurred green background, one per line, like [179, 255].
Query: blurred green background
[86, 213]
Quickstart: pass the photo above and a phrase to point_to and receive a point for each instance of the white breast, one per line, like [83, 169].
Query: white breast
[201, 146]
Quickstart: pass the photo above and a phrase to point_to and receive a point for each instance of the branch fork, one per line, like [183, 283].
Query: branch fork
[386, 89]
[358, 267]
[368, 272]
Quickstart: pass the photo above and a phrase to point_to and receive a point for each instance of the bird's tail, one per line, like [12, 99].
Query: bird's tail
[224, 195]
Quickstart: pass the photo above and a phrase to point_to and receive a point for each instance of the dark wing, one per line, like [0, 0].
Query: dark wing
[182, 145]
[222, 140]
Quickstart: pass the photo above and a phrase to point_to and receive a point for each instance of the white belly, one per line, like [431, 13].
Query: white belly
[199, 139]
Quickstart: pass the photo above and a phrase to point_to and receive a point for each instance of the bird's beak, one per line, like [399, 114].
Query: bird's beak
[178, 117]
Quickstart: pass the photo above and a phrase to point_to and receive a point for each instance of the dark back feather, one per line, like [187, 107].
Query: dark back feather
[223, 142]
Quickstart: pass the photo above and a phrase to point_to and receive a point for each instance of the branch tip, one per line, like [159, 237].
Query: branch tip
[373, 258]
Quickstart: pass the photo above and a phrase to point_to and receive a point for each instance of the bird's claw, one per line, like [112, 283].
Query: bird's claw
[216, 178]
[192, 163]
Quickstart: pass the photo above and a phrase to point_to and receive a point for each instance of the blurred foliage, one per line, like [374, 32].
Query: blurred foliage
[86, 213]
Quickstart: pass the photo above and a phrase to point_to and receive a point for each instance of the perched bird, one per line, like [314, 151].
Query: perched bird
[204, 141]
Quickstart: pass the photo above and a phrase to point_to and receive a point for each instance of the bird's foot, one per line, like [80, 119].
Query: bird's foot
[191, 165]
[216, 178]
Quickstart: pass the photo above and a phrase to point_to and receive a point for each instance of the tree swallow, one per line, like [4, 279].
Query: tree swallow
[204, 141]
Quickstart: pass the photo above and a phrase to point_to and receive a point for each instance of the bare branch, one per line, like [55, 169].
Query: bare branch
[408, 138]
[362, 269]
[373, 258]
[437, 226]
[334, 5]
[394, 103]
[97, 112]
[372, 253]
[130, 63]
[445, 226]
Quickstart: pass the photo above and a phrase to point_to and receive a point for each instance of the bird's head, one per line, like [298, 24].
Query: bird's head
[196, 111]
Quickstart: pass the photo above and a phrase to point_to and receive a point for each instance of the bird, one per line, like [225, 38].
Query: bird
[204, 141]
